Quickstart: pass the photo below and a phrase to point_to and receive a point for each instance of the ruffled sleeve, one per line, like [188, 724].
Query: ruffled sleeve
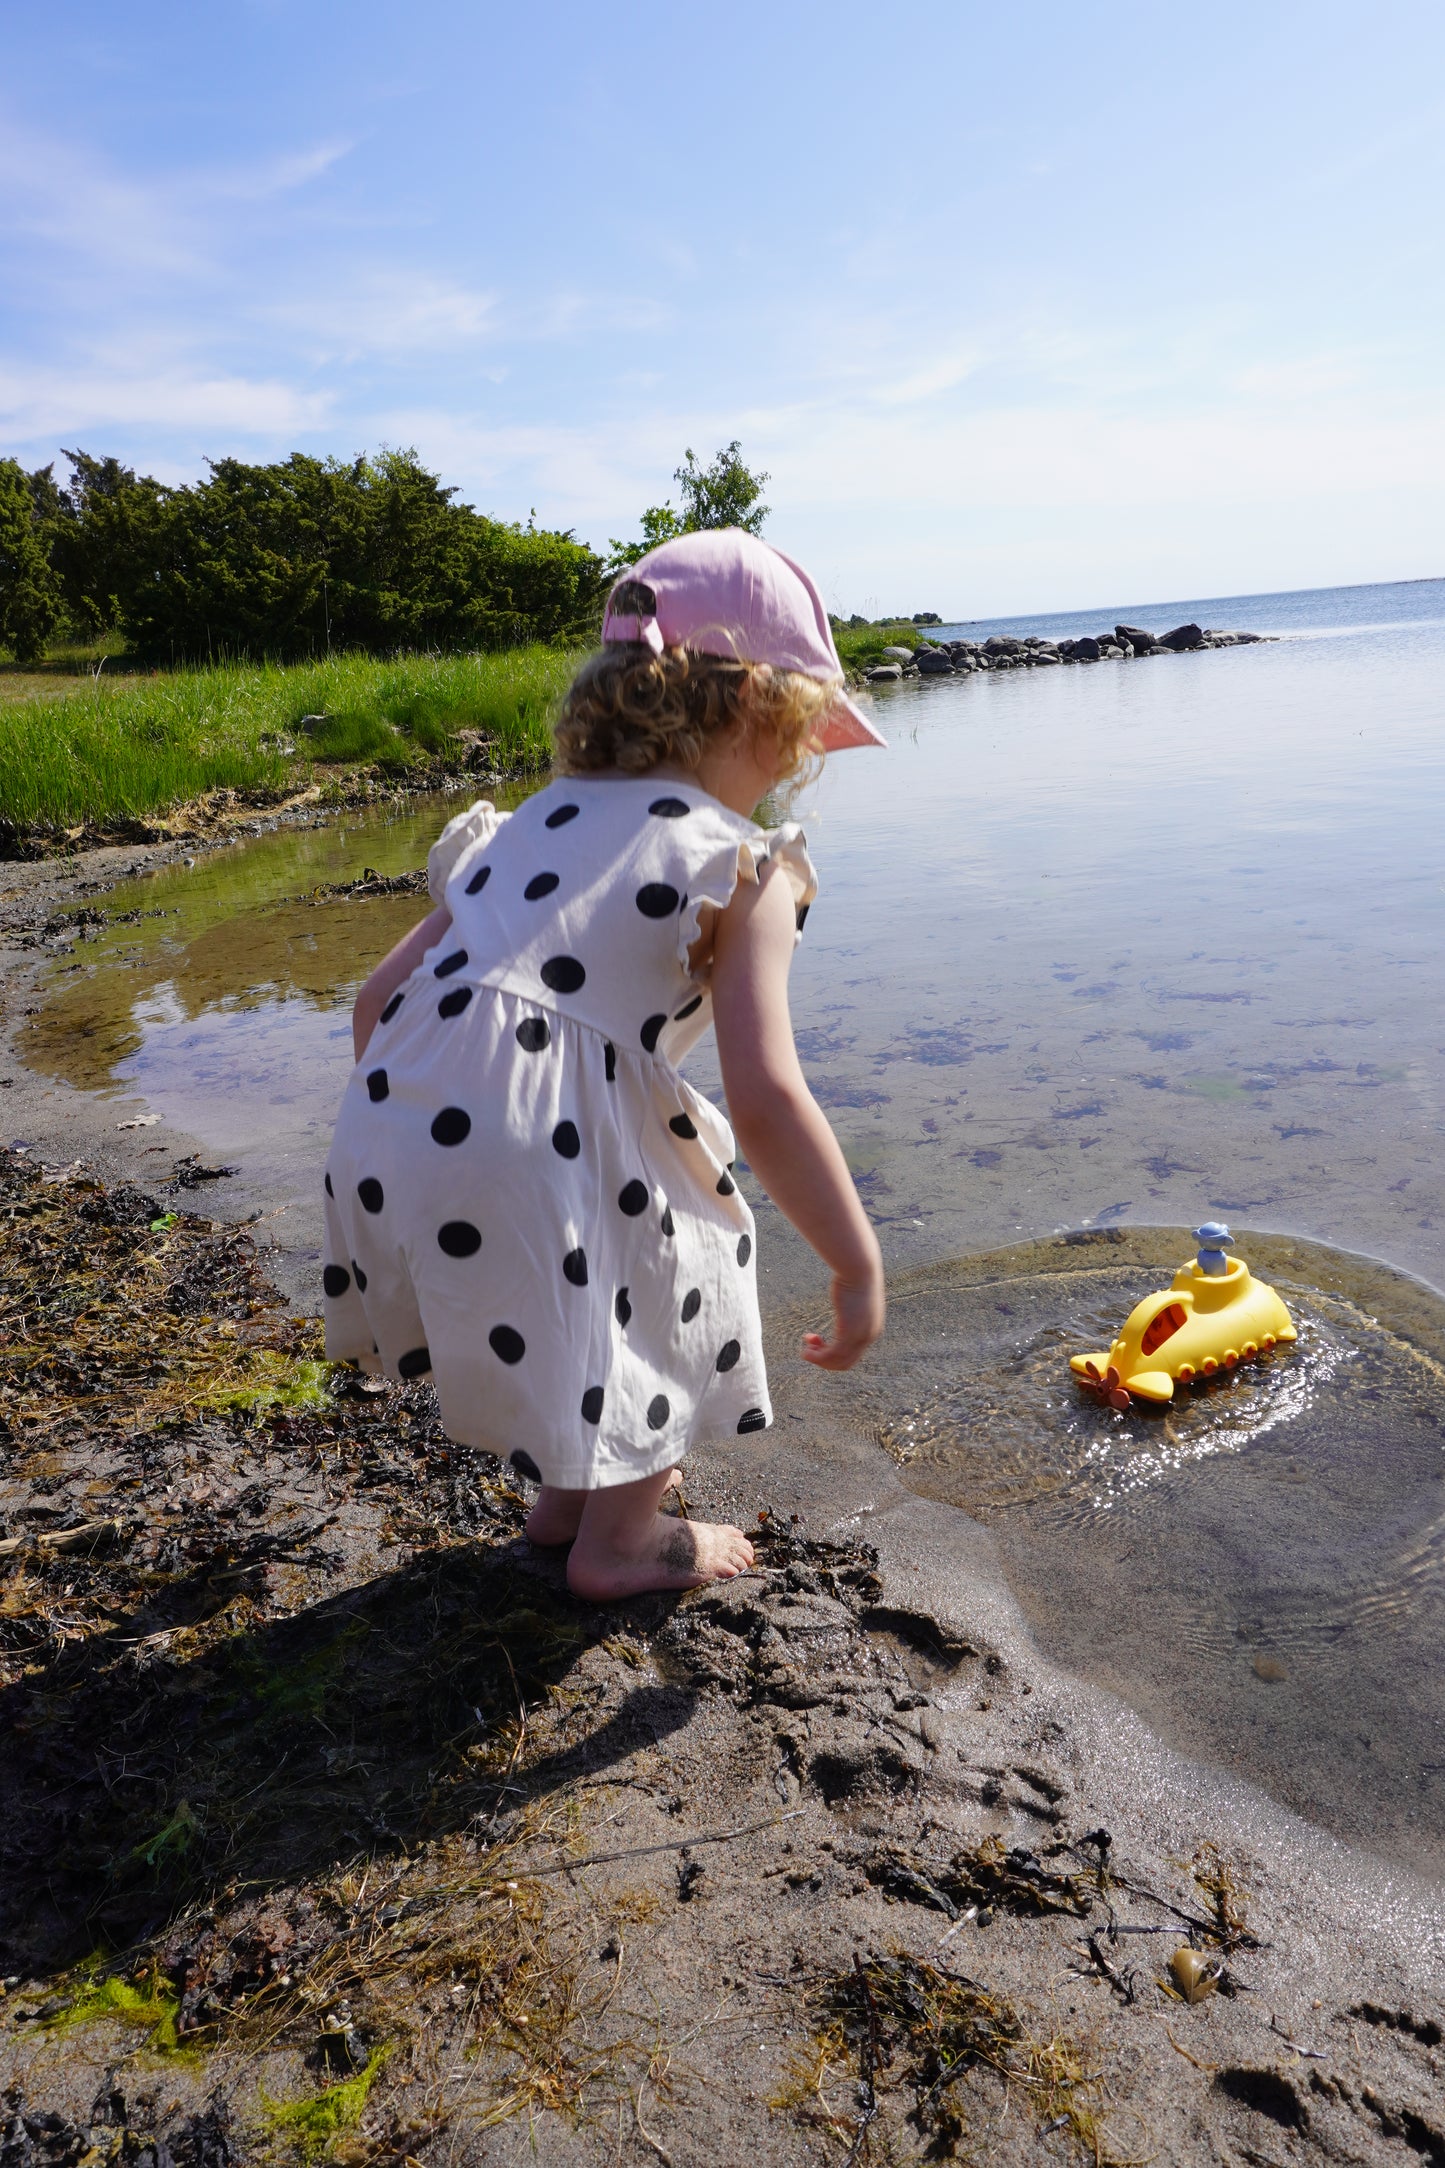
[470, 831]
[743, 860]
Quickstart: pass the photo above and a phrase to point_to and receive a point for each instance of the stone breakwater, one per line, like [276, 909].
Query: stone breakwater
[957, 658]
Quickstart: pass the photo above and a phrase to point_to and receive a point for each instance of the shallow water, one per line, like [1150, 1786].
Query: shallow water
[1104, 945]
[1260, 1567]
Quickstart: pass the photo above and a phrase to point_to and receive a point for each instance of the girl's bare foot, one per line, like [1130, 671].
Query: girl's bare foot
[624, 1545]
[556, 1515]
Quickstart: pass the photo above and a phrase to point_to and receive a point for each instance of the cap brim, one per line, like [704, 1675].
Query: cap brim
[847, 725]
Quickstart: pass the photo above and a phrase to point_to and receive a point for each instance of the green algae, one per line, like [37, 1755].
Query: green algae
[314, 2124]
[150, 2002]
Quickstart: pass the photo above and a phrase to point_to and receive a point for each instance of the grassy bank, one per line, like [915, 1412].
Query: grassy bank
[87, 756]
[859, 646]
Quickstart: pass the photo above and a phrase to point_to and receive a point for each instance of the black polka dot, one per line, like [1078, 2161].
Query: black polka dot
[574, 1267]
[745, 1248]
[650, 1032]
[691, 1304]
[533, 1035]
[657, 900]
[452, 1126]
[449, 964]
[669, 809]
[669, 1225]
[541, 884]
[453, 1003]
[479, 880]
[592, 1404]
[752, 1419]
[336, 1279]
[506, 1343]
[524, 1464]
[415, 1363]
[459, 1238]
[633, 1199]
[609, 1061]
[622, 1308]
[563, 814]
[682, 1125]
[725, 1185]
[359, 1276]
[563, 974]
[370, 1193]
[391, 1008]
[566, 1140]
[377, 1085]
[689, 1008]
[728, 1354]
[329, 1190]
[803, 910]
[658, 1411]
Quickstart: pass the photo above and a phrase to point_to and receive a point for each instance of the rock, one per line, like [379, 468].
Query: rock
[1001, 644]
[884, 673]
[1141, 642]
[932, 662]
[1111, 650]
[1086, 650]
[1047, 655]
[899, 654]
[1183, 636]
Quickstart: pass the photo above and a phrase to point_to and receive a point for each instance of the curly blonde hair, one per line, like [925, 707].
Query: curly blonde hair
[631, 709]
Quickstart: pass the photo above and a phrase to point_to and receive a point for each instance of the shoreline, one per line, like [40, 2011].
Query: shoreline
[1334, 2032]
[1002, 651]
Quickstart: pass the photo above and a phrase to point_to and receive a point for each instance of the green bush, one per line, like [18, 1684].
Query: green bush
[304, 557]
[30, 593]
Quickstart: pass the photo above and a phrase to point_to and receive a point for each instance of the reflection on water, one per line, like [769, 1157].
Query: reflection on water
[220, 993]
[1260, 1568]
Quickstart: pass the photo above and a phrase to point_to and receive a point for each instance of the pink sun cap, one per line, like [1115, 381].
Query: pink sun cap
[721, 591]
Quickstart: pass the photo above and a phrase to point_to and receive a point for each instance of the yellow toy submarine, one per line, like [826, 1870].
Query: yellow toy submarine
[1215, 1316]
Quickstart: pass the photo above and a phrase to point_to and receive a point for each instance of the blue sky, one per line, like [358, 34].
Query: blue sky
[1023, 308]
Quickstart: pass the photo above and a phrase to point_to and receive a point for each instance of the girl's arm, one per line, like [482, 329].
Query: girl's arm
[780, 1127]
[393, 971]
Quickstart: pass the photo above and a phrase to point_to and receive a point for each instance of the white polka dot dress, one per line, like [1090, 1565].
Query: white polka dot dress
[525, 1202]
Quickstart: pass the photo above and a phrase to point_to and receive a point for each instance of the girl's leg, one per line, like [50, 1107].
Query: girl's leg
[556, 1514]
[624, 1545]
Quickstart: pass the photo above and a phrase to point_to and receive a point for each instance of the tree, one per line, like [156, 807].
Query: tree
[306, 554]
[104, 539]
[723, 495]
[30, 598]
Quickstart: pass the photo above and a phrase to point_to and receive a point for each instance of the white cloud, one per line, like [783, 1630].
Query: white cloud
[384, 311]
[40, 407]
[277, 176]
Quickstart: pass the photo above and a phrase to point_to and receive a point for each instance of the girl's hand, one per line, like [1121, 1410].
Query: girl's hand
[858, 1308]
[392, 972]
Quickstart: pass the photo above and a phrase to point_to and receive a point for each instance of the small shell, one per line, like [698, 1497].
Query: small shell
[1195, 1975]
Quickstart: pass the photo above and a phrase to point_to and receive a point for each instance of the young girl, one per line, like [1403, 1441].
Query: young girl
[525, 1201]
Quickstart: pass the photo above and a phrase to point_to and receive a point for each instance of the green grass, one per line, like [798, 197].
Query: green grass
[151, 742]
[859, 646]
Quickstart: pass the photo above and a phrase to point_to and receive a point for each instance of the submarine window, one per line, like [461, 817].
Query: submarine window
[1165, 1325]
